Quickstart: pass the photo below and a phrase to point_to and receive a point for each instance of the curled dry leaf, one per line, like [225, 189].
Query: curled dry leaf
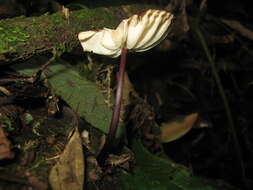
[174, 130]
[138, 33]
[68, 173]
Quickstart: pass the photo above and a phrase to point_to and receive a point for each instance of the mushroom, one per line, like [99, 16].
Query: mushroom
[138, 33]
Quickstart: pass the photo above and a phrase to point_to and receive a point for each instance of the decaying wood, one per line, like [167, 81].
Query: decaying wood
[23, 37]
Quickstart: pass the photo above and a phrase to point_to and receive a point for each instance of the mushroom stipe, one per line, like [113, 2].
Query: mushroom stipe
[116, 111]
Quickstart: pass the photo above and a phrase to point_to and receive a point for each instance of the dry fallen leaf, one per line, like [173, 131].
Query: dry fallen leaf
[174, 130]
[68, 173]
[5, 146]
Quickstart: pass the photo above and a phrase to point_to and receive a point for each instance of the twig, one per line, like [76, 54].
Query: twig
[5, 91]
[30, 79]
[237, 26]
[36, 75]
[14, 179]
[225, 101]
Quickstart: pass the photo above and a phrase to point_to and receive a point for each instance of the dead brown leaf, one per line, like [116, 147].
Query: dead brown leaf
[174, 130]
[5, 146]
[68, 173]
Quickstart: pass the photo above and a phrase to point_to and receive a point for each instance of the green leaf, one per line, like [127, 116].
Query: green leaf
[155, 173]
[81, 94]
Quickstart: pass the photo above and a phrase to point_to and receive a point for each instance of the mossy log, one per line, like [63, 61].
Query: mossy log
[22, 37]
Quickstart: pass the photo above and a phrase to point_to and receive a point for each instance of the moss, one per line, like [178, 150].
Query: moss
[22, 37]
[92, 19]
[11, 35]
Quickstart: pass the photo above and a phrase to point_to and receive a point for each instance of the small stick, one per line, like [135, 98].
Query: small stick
[116, 111]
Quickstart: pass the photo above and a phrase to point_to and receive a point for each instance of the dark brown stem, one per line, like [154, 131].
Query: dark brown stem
[116, 111]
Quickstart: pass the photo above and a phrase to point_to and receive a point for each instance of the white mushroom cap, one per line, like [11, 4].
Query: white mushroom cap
[137, 33]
